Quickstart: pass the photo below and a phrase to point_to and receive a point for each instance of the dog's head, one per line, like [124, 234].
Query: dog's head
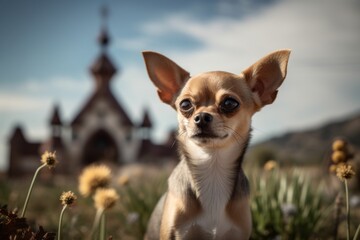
[215, 108]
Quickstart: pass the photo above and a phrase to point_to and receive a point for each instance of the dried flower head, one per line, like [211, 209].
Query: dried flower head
[68, 198]
[338, 157]
[270, 165]
[345, 171]
[49, 158]
[105, 198]
[339, 145]
[333, 168]
[92, 178]
[123, 180]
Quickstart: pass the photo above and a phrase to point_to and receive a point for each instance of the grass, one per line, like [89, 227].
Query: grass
[285, 203]
[127, 220]
[138, 198]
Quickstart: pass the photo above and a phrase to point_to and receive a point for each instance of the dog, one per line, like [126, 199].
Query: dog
[208, 192]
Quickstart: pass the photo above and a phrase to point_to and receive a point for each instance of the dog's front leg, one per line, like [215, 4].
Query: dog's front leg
[178, 214]
[238, 211]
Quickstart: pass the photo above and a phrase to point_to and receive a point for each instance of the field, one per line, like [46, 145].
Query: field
[287, 203]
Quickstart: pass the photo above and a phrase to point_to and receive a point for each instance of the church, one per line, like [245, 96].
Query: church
[101, 131]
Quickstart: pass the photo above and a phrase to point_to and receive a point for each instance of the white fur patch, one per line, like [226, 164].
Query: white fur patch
[213, 179]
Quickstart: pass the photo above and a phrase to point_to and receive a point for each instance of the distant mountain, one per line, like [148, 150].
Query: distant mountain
[309, 146]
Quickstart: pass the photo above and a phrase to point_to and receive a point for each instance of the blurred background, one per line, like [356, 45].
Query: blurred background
[47, 48]
[72, 80]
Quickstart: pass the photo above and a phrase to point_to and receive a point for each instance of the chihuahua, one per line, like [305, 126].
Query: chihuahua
[208, 192]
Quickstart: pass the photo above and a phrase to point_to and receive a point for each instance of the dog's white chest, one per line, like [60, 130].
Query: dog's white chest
[214, 193]
[214, 188]
[213, 177]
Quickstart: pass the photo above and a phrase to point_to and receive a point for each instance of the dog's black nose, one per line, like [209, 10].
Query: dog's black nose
[202, 119]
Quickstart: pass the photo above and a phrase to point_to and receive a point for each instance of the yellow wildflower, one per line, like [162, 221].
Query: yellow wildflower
[68, 198]
[49, 158]
[345, 171]
[338, 157]
[333, 168]
[105, 198]
[94, 177]
[339, 145]
[123, 180]
[270, 165]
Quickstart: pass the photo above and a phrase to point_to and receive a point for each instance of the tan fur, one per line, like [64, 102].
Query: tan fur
[177, 211]
[208, 194]
[238, 211]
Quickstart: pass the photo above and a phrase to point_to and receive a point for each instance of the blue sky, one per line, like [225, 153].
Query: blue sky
[46, 48]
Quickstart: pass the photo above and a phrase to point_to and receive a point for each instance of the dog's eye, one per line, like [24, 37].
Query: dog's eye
[228, 105]
[185, 105]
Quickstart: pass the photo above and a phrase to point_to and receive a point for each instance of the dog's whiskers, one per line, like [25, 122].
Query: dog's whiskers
[237, 136]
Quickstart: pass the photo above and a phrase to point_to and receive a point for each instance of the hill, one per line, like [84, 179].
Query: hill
[308, 146]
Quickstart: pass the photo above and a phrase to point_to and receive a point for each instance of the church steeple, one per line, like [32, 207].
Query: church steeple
[103, 69]
[55, 122]
[103, 38]
[146, 125]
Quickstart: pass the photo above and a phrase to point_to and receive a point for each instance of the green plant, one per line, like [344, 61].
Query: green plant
[104, 199]
[67, 199]
[139, 200]
[263, 155]
[47, 159]
[344, 171]
[284, 204]
[14, 227]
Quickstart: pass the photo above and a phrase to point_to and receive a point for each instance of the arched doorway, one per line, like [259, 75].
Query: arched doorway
[100, 147]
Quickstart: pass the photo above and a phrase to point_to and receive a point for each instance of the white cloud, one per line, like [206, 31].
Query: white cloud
[131, 44]
[323, 68]
[39, 96]
[16, 102]
[60, 84]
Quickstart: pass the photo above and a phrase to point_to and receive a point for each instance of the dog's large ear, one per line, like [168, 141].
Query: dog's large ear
[167, 76]
[266, 75]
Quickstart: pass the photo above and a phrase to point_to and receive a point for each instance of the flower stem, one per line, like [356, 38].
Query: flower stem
[347, 211]
[338, 205]
[60, 222]
[30, 189]
[102, 227]
[357, 233]
[95, 226]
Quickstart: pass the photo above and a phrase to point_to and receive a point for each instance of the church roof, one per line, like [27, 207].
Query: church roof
[110, 98]
[19, 142]
[103, 70]
[146, 123]
[103, 67]
[17, 135]
[55, 118]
